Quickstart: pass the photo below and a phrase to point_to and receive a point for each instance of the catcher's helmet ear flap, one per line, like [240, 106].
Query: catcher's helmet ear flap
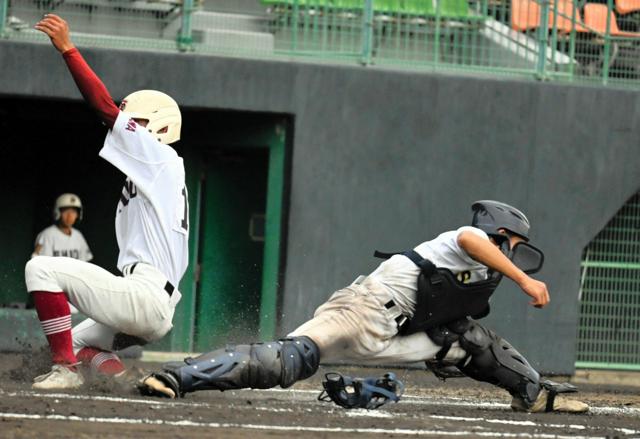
[491, 216]
[67, 200]
[159, 109]
[367, 393]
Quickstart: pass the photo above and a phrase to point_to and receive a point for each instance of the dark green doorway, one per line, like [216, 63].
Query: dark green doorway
[236, 173]
[233, 204]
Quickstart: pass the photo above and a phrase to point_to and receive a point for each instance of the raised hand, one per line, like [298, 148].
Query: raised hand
[537, 290]
[58, 30]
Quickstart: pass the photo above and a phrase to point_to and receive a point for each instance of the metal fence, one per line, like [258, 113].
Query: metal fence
[570, 40]
[609, 326]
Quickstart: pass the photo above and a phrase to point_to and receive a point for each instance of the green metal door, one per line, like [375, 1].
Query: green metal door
[231, 247]
[609, 331]
[236, 191]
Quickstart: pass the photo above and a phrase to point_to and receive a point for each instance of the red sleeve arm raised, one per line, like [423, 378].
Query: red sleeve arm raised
[92, 89]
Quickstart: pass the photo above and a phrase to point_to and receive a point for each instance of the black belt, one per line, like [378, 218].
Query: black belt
[401, 320]
[168, 287]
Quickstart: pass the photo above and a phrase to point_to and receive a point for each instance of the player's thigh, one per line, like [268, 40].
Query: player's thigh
[90, 333]
[353, 327]
[88, 286]
[413, 348]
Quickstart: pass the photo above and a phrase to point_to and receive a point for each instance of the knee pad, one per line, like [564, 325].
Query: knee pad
[492, 359]
[300, 358]
[256, 366]
[446, 335]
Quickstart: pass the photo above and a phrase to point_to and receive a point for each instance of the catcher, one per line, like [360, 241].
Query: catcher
[417, 305]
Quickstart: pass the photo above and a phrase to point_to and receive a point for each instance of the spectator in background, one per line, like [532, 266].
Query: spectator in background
[60, 238]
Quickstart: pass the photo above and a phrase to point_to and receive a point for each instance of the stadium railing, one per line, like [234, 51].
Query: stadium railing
[563, 40]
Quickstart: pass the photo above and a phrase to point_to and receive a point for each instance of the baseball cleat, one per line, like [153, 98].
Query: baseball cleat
[541, 405]
[59, 378]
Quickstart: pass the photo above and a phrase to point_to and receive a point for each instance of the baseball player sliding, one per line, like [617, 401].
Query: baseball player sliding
[152, 231]
[414, 307]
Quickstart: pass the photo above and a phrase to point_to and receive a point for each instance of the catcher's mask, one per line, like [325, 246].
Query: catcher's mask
[367, 393]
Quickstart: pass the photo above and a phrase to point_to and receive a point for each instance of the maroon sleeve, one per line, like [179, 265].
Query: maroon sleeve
[93, 90]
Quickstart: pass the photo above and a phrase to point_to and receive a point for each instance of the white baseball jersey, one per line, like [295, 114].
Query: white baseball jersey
[54, 242]
[400, 275]
[152, 217]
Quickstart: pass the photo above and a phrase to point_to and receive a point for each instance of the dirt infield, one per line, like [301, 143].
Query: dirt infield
[459, 407]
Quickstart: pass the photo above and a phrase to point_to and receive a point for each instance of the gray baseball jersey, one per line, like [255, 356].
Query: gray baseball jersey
[54, 242]
[399, 275]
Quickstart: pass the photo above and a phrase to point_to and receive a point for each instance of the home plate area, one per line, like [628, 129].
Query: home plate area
[429, 407]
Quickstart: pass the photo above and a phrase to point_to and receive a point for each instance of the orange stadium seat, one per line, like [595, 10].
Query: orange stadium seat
[525, 15]
[627, 6]
[566, 9]
[596, 16]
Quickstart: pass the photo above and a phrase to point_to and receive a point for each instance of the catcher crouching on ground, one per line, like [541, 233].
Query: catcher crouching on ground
[417, 305]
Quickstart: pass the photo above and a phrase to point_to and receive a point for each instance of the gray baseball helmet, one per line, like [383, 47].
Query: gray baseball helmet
[491, 216]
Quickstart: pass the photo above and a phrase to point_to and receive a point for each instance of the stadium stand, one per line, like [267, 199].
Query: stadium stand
[419, 8]
[483, 33]
[627, 6]
[563, 16]
[525, 15]
[596, 16]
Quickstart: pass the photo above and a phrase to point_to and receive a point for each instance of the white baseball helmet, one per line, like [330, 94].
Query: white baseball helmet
[64, 201]
[159, 109]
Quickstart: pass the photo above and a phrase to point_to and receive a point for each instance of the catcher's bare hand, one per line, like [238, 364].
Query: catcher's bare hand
[150, 385]
[537, 290]
[58, 31]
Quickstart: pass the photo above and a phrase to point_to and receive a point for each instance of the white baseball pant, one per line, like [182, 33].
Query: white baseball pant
[136, 304]
[354, 324]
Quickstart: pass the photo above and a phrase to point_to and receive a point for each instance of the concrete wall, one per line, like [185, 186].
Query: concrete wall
[386, 160]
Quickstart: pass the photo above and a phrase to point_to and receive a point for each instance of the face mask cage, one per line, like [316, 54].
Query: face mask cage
[368, 393]
[503, 242]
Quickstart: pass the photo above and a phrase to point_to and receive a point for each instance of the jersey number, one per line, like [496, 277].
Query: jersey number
[185, 219]
[129, 191]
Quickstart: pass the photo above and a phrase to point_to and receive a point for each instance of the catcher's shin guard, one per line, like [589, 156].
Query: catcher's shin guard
[493, 360]
[257, 366]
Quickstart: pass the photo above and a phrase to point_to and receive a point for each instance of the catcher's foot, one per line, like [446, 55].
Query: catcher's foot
[543, 404]
[59, 378]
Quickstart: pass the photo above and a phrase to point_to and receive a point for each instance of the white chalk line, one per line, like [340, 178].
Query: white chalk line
[149, 401]
[411, 399]
[352, 413]
[531, 423]
[453, 401]
[364, 413]
[398, 431]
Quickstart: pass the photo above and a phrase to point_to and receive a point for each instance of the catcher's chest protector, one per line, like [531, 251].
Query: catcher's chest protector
[441, 298]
